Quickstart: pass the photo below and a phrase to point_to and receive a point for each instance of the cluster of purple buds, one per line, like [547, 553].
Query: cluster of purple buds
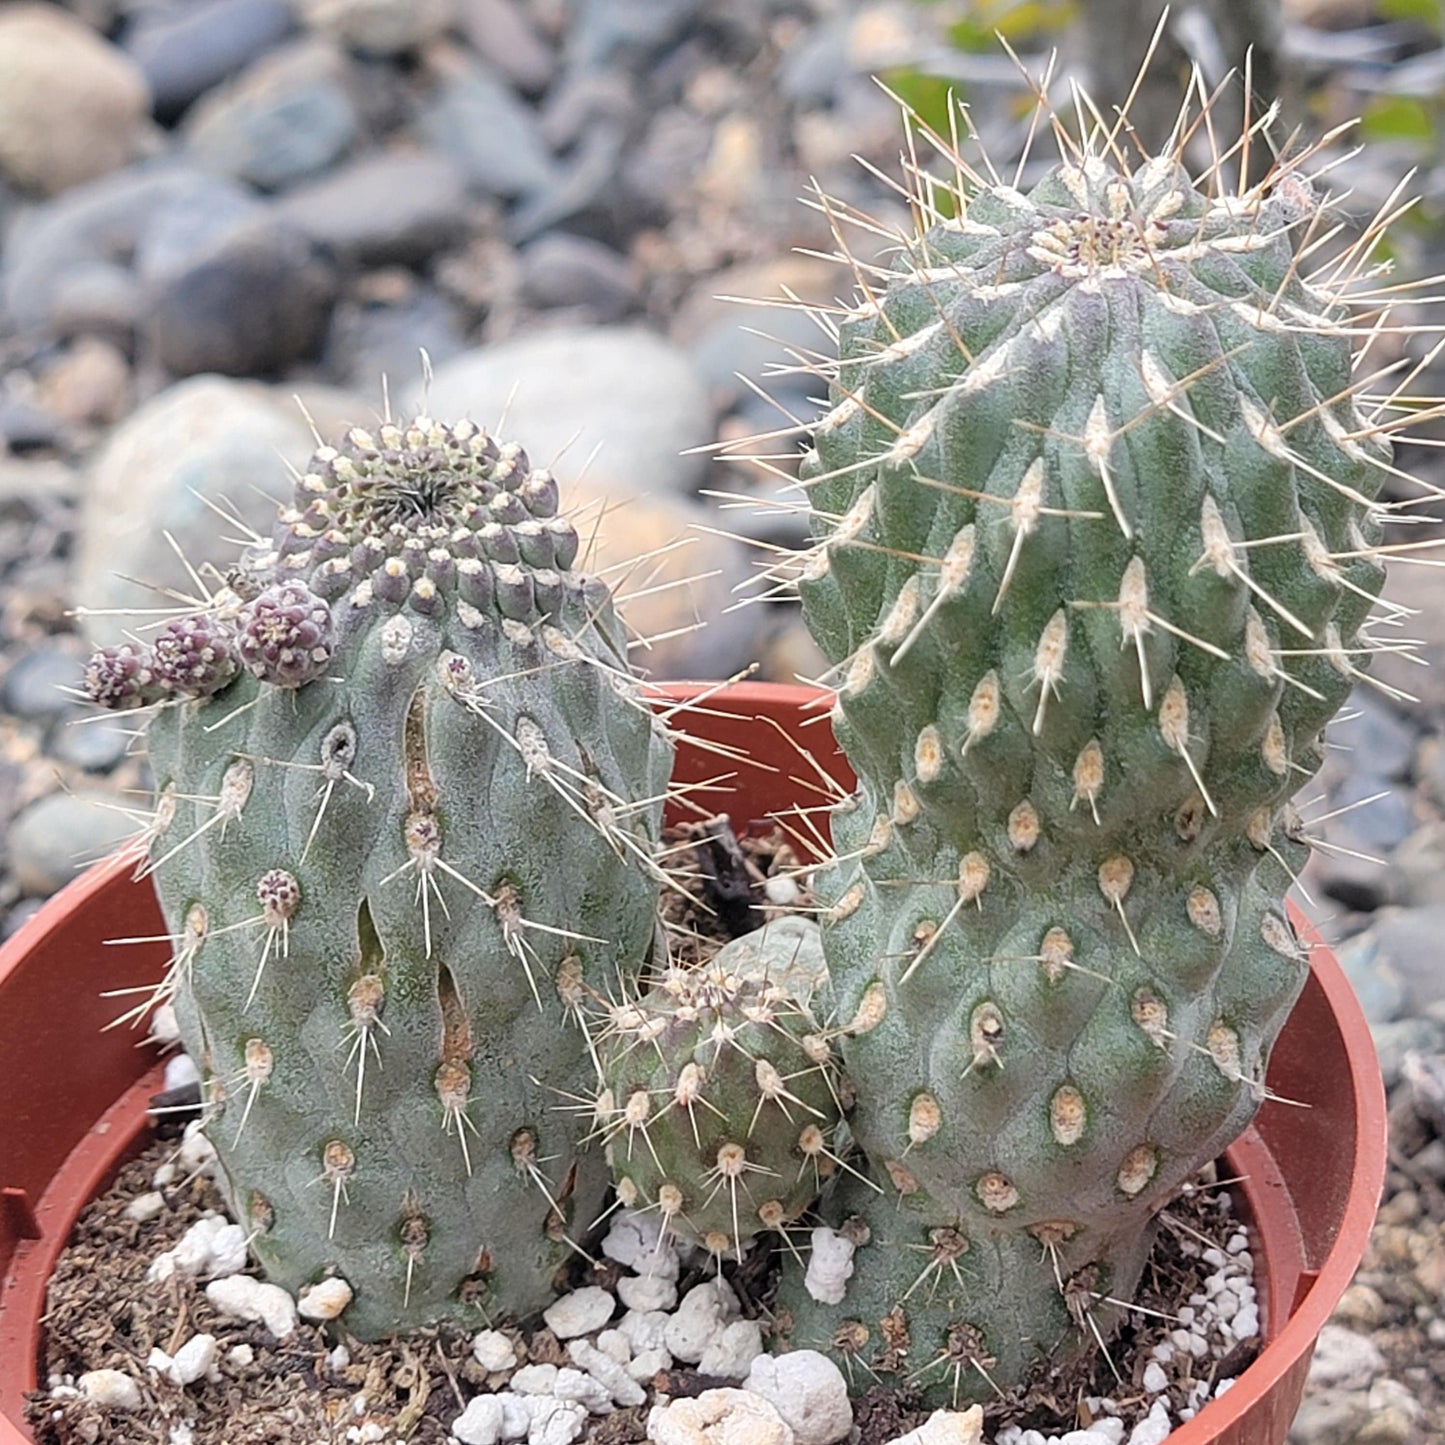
[284, 635]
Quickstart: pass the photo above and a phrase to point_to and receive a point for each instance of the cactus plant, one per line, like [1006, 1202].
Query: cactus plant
[1096, 540]
[409, 801]
[719, 1101]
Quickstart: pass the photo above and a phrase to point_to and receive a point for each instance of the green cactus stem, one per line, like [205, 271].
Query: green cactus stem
[410, 797]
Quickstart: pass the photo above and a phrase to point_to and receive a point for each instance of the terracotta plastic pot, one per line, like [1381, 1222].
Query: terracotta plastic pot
[73, 1096]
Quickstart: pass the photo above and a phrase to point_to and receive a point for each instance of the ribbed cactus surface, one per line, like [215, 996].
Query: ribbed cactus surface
[413, 798]
[1093, 510]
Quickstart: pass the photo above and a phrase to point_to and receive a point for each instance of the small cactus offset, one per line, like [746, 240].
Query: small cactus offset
[720, 1097]
[409, 801]
[1096, 540]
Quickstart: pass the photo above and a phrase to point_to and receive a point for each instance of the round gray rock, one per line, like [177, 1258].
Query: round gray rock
[58, 835]
[624, 391]
[72, 106]
[379, 27]
[286, 118]
[205, 439]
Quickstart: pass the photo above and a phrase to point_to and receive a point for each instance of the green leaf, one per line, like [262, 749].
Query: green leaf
[1427, 12]
[1397, 117]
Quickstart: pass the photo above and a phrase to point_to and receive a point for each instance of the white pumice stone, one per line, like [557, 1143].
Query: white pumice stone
[163, 1027]
[111, 1389]
[718, 1417]
[645, 1364]
[730, 1354]
[647, 1292]
[146, 1206]
[645, 1329]
[195, 1360]
[1154, 1428]
[578, 1385]
[616, 1344]
[197, 1154]
[240, 1356]
[534, 1380]
[830, 1266]
[635, 1240]
[244, 1298]
[493, 1350]
[621, 1388]
[947, 1427]
[556, 1422]
[579, 1313]
[481, 1422]
[701, 1318]
[325, 1299]
[1155, 1380]
[166, 1174]
[180, 1072]
[808, 1390]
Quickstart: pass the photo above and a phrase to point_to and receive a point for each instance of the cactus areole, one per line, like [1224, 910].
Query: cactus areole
[1095, 543]
[409, 799]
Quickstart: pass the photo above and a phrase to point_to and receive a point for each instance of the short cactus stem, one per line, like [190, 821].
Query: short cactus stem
[378, 850]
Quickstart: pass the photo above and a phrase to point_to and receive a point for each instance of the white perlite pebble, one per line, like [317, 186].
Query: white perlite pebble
[166, 1174]
[164, 1029]
[1101, 1432]
[338, 1359]
[579, 1313]
[556, 1422]
[325, 1299]
[146, 1206]
[616, 1344]
[647, 1292]
[493, 1350]
[1155, 1380]
[730, 1355]
[197, 1154]
[194, 1360]
[647, 1363]
[1154, 1428]
[481, 1422]
[516, 1415]
[534, 1380]
[830, 1266]
[1245, 1324]
[719, 1417]
[180, 1071]
[240, 1356]
[577, 1385]
[808, 1390]
[645, 1329]
[244, 1298]
[113, 1389]
[621, 1388]
[782, 890]
[947, 1427]
[635, 1240]
[212, 1245]
[701, 1318]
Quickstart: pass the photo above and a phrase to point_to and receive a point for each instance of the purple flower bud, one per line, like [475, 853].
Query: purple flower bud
[286, 635]
[195, 656]
[122, 677]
